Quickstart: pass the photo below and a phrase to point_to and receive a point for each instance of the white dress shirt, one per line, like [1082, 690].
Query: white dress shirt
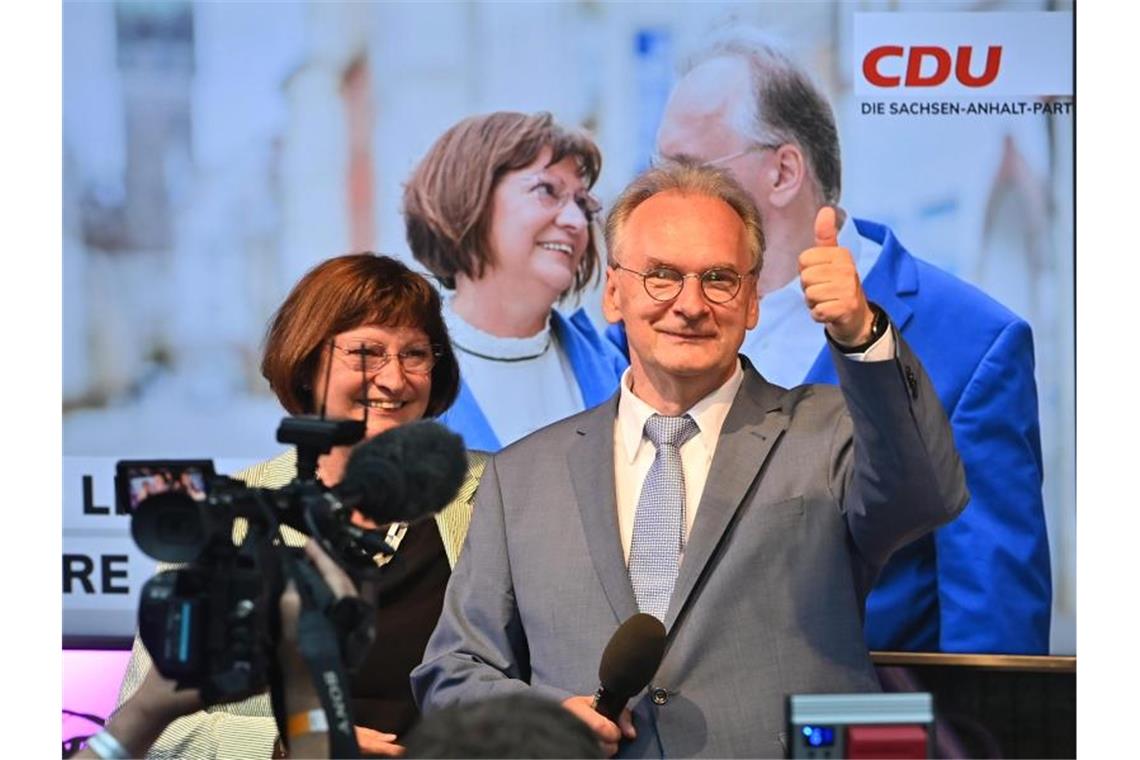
[634, 452]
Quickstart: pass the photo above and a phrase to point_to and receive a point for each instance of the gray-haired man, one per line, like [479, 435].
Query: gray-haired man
[749, 518]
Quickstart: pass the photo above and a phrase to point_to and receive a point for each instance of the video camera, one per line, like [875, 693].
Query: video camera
[213, 623]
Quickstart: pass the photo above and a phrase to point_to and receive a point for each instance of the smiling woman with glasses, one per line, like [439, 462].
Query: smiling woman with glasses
[500, 210]
[362, 337]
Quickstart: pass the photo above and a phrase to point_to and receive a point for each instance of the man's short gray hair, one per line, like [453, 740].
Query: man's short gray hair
[786, 105]
[687, 177]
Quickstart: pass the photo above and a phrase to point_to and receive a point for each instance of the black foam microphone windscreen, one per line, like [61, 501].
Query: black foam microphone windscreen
[629, 661]
[405, 473]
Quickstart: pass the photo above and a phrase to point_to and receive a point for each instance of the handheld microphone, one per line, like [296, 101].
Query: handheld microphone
[404, 474]
[630, 660]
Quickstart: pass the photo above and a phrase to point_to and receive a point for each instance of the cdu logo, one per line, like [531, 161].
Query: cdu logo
[968, 54]
[928, 66]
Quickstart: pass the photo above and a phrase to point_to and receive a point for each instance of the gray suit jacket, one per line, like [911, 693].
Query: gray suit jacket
[809, 492]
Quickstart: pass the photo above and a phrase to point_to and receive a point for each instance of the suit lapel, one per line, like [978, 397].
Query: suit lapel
[595, 380]
[752, 427]
[591, 463]
[466, 418]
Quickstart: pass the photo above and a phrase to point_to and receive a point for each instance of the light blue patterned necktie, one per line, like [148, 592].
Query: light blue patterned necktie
[659, 525]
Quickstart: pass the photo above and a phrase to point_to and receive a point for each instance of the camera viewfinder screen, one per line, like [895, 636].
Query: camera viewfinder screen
[143, 480]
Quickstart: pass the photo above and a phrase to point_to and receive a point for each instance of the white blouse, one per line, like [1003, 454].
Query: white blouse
[521, 384]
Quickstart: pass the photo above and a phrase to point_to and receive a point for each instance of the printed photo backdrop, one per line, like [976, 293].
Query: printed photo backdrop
[213, 152]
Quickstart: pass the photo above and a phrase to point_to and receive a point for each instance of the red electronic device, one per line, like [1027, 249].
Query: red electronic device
[835, 726]
[886, 742]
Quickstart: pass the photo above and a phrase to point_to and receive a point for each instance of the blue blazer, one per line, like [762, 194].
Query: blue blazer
[982, 583]
[597, 368]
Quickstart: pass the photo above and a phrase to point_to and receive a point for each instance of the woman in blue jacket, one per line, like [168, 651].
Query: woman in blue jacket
[500, 211]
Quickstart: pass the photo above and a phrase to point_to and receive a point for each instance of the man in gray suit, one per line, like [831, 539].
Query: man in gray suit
[750, 518]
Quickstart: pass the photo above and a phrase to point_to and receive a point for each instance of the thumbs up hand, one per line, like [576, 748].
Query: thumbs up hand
[831, 285]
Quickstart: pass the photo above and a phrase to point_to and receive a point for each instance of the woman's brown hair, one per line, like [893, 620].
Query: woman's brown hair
[447, 200]
[341, 294]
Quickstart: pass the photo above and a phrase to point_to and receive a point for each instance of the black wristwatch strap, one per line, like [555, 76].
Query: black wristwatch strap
[879, 325]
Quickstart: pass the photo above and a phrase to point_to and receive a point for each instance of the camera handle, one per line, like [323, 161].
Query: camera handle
[319, 648]
[314, 436]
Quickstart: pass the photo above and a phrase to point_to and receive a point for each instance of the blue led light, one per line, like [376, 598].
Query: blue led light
[184, 639]
[819, 736]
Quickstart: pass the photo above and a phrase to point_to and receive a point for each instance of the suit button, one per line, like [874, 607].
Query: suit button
[660, 696]
[912, 381]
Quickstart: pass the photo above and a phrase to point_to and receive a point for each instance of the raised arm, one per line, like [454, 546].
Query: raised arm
[897, 473]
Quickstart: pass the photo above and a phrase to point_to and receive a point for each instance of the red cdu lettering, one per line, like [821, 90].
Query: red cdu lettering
[989, 74]
[871, 65]
[942, 67]
[920, 57]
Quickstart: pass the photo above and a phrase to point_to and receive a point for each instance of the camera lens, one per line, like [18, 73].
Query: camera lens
[170, 527]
